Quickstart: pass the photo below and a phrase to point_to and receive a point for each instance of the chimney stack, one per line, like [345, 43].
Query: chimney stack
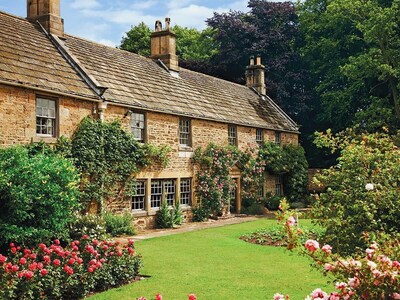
[255, 75]
[163, 45]
[47, 12]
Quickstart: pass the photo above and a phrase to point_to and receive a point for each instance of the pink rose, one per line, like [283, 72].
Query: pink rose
[291, 221]
[327, 249]
[279, 297]
[311, 245]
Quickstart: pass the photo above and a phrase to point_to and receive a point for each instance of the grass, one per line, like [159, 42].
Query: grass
[215, 264]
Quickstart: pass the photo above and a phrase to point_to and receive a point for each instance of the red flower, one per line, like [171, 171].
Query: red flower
[131, 242]
[71, 261]
[68, 270]
[13, 250]
[44, 272]
[12, 245]
[91, 269]
[32, 266]
[56, 262]
[28, 274]
[22, 261]
[46, 258]
[39, 266]
[57, 242]
[14, 268]
[42, 246]
[79, 260]
[158, 297]
[192, 297]
[3, 259]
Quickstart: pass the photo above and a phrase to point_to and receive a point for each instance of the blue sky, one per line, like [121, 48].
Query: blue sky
[106, 21]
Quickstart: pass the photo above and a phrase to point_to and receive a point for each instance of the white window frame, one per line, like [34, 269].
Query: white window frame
[185, 192]
[259, 136]
[232, 135]
[185, 132]
[46, 114]
[278, 137]
[138, 125]
[139, 199]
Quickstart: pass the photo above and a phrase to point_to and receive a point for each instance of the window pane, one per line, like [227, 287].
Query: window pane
[232, 136]
[45, 116]
[138, 199]
[185, 192]
[184, 132]
[156, 193]
[138, 126]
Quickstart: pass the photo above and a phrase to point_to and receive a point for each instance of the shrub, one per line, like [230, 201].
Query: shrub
[72, 272]
[169, 217]
[273, 202]
[200, 214]
[362, 193]
[119, 224]
[38, 196]
[91, 225]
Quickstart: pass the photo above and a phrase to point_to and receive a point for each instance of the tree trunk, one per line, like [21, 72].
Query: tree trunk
[395, 95]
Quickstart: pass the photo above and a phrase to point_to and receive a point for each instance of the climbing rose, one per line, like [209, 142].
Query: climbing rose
[327, 249]
[312, 245]
[3, 259]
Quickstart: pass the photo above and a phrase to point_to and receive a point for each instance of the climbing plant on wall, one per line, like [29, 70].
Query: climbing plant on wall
[216, 162]
[214, 183]
[108, 158]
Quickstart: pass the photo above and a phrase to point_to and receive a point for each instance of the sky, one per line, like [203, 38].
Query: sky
[106, 21]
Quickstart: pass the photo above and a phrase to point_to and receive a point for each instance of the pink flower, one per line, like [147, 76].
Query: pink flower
[158, 297]
[341, 285]
[192, 297]
[319, 294]
[279, 297]
[396, 296]
[354, 282]
[327, 249]
[311, 245]
[334, 296]
[68, 270]
[291, 221]
[57, 242]
[329, 267]
[44, 272]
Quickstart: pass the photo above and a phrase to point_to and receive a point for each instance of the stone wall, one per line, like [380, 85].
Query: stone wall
[18, 126]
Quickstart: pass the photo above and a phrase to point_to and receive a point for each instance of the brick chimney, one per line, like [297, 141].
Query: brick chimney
[163, 45]
[47, 12]
[255, 75]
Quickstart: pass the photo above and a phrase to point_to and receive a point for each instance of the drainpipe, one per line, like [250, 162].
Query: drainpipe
[101, 107]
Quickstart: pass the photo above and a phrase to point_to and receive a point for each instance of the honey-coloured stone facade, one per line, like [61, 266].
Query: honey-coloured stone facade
[18, 112]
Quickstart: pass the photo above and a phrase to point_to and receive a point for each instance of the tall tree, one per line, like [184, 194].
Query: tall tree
[137, 40]
[353, 49]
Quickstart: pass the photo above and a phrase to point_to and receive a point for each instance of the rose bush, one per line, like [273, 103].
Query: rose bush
[71, 272]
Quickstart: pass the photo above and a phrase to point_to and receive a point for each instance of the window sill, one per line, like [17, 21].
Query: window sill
[139, 213]
[45, 138]
[185, 148]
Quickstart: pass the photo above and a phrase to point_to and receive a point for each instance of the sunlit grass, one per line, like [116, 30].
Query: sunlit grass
[216, 264]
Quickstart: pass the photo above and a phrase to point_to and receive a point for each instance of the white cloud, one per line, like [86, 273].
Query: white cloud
[141, 5]
[85, 4]
[176, 4]
[107, 42]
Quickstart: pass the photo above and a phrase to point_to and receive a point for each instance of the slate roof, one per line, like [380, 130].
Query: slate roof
[132, 80]
[27, 56]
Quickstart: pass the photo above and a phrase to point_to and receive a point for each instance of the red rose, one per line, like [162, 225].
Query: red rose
[44, 272]
[3, 259]
[56, 262]
[22, 261]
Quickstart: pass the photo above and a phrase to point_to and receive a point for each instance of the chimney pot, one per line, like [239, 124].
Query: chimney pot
[252, 60]
[258, 60]
[158, 26]
[167, 23]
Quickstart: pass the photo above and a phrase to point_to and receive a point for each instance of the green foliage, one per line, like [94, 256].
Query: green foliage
[362, 194]
[137, 40]
[273, 202]
[169, 217]
[38, 195]
[90, 225]
[108, 158]
[200, 214]
[214, 183]
[119, 224]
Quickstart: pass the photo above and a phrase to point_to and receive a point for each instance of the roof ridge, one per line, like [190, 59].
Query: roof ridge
[14, 16]
[151, 60]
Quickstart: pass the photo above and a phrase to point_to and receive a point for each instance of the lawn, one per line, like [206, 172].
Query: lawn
[216, 264]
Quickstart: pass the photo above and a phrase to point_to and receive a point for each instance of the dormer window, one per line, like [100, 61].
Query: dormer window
[46, 117]
[138, 126]
[184, 133]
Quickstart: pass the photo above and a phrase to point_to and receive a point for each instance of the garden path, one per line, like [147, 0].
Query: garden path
[191, 226]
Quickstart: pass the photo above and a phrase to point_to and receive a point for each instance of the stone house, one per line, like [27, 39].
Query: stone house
[50, 80]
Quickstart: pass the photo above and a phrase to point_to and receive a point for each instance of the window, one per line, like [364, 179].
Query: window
[138, 199]
[138, 126]
[278, 185]
[184, 132]
[278, 138]
[259, 136]
[186, 191]
[45, 117]
[162, 190]
[260, 190]
[232, 135]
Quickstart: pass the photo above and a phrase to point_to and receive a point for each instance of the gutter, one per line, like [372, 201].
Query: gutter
[48, 91]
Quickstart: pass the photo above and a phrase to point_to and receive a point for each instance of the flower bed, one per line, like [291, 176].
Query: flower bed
[71, 272]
